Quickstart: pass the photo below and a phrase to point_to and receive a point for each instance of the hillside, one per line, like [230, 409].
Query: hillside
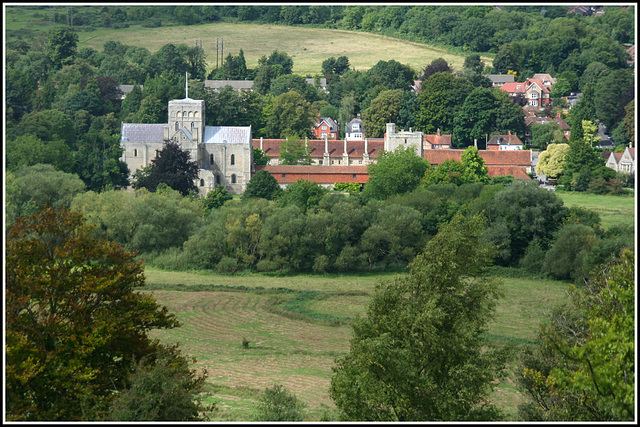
[307, 46]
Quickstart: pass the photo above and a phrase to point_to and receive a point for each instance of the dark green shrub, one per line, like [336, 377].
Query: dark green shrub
[278, 404]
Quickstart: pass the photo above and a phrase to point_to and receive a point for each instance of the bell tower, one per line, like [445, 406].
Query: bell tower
[186, 123]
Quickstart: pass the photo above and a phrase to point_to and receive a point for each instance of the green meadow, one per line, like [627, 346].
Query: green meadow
[297, 325]
[613, 210]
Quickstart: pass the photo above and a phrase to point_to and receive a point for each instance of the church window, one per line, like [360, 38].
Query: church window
[135, 152]
[177, 126]
[202, 183]
[190, 113]
[195, 114]
[179, 114]
[210, 159]
[233, 179]
[217, 179]
[233, 159]
[191, 125]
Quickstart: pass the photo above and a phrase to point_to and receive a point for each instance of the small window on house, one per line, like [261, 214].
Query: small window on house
[202, 183]
[354, 176]
[233, 179]
[211, 159]
[233, 159]
[284, 175]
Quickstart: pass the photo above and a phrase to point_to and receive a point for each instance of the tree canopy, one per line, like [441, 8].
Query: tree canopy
[417, 355]
[173, 167]
[395, 172]
[73, 320]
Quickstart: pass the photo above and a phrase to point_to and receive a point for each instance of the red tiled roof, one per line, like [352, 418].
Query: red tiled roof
[632, 151]
[510, 139]
[521, 87]
[271, 147]
[491, 158]
[518, 172]
[319, 174]
[438, 139]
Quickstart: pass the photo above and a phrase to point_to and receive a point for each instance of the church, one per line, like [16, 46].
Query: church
[223, 153]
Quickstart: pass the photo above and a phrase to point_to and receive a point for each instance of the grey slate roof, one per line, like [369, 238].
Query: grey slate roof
[142, 132]
[500, 78]
[227, 134]
[235, 84]
[349, 126]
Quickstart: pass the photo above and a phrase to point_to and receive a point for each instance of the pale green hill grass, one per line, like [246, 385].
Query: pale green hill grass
[308, 47]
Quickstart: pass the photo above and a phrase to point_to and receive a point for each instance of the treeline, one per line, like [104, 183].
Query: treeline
[309, 229]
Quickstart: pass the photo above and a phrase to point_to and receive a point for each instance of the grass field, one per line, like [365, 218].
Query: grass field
[308, 47]
[613, 210]
[297, 326]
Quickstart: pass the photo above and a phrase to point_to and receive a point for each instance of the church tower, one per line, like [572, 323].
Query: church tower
[186, 123]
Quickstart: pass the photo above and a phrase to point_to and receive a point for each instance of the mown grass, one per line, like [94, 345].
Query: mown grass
[297, 326]
[613, 210]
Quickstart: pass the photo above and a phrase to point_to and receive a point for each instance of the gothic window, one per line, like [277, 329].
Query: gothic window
[233, 159]
[210, 159]
[233, 179]
[202, 183]
[195, 114]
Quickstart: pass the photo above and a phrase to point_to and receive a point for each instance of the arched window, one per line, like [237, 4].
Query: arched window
[177, 126]
[191, 125]
[202, 183]
[233, 159]
[210, 159]
[233, 179]
[217, 179]
[135, 152]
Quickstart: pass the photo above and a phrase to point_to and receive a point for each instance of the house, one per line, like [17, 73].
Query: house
[437, 141]
[534, 91]
[516, 163]
[624, 162]
[322, 83]
[497, 80]
[508, 142]
[326, 127]
[529, 120]
[354, 129]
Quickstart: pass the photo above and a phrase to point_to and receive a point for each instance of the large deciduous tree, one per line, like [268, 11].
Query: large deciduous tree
[172, 166]
[383, 109]
[550, 161]
[61, 46]
[418, 355]
[74, 325]
[395, 173]
[262, 185]
[290, 114]
[440, 99]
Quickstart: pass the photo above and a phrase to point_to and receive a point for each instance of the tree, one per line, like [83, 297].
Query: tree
[394, 173]
[294, 152]
[584, 369]
[474, 167]
[383, 109]
[418, 355]
[216, 198]
[335, 66]
[73, 320]
[543, 134]
[172, 167]
[37, 185]
[61, 46]
[262, 185]
[440, 99]
[438, 65]
[304, 194]
[162, 388]
[393, 74]
[278, 404]
[290, 114]
[259, 157]
[551, 160]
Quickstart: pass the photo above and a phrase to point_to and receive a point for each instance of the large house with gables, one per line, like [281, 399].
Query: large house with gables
[534, 91]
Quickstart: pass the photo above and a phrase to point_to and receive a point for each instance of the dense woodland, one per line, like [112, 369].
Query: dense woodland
[63, 118]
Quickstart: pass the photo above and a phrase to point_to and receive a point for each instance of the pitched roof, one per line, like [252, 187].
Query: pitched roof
[632, 151]
[522, 87]
[528, 121]
[510, 139]
[318, 174]
[518, 172]
[333, 126]
[142, 132]
[349, 126]
[438, 139]
[227, 134]
[491, 158]
[355, 148]
[500, 78]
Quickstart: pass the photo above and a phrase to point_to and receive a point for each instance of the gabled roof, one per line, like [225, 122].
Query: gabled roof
[509, 139]
[632, 151]
[352, 122]
[500, 78]
[522, 87]
[227, 134]
[438, 139]
[528, 121]
[142, 132]
[333, 126]
[355, 148]
[491, 158]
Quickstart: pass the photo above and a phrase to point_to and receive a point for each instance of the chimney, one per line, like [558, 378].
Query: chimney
[475, 142]
[438, 132]
[559, 114]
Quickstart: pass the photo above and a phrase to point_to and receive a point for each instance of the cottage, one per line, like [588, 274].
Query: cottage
[437, 141]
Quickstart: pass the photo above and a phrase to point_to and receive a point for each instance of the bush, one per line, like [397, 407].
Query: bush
[227, 265]
[277, 404]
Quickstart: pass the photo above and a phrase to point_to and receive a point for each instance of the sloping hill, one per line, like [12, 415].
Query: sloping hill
[307, 46]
